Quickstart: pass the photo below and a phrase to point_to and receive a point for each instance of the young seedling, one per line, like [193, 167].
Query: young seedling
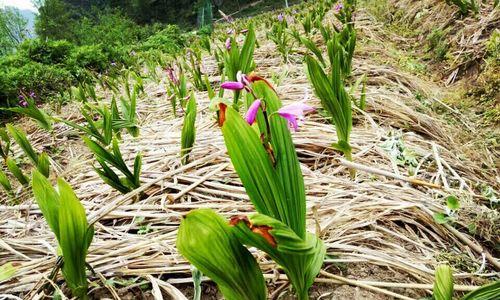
[40, 161]
[66, 218]
[113, 157]
[188, 133]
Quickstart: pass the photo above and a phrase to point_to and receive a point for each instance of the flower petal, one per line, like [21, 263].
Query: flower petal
[252, 112]
[292, 120]
[233, 85]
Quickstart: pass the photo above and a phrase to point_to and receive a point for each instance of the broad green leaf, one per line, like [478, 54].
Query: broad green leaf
[452, 202]
[287, 166]
[48, 201]
[254, 166]
[16, 171]
[300, 258]
[74, 240]
[21, 139]
[188, 133]
[440, 218]
[489, 291]
[443, 283]
[7, 271]
[43, 164]
[4, 181]
[207, 241]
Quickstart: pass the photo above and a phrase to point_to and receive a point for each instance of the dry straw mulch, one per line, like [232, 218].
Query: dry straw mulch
[383, 220]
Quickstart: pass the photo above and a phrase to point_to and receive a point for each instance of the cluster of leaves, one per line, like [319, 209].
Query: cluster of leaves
[188, 129]
[443, 287]
[274, 183]
[40, 161]
[466, 6]
[66, 217]
[281, 37]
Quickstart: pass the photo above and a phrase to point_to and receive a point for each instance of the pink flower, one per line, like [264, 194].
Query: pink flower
[339, 7]
[228, 44]
[252, 112]
[294, 112]
[233, 85]
[280, 17]
[23, 103]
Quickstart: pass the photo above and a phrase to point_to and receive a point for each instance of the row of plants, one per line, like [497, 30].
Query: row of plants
[259, 144]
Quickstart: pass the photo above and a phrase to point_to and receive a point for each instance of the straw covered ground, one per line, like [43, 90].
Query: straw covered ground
[381, 237]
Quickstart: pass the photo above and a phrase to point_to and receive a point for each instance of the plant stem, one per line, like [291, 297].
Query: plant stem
[352, 171]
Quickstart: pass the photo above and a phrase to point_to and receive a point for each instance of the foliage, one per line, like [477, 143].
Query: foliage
[113, 157]
[32, 111]
[66, 217]
[12, 29]
[266, 161]
[485, 292]
[40, 161]
[217, 253]
[238, 59]
[465, 6]
[443, 284]
[281, 38]
[188, 133]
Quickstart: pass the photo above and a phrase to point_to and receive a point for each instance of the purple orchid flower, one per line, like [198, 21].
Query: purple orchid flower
[228, 44]
[171, 75]
[113, 64]
[233, 85]
[23, 103]
[281, 17]
[251, 114]
[339, 7]
[32, 94]
[294, 112]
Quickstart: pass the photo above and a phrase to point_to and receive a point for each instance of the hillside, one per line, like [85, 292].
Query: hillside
[424, 148]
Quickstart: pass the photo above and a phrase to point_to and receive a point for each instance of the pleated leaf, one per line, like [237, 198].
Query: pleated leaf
[489, 291]
[300, 258]
[207, 241]
[188, 133]
[48, 201]
[16, 171]
[75, 238]
[443, 283]
[287, 166]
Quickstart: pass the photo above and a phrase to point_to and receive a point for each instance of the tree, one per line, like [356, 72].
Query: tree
[13, 29]
[55, 20]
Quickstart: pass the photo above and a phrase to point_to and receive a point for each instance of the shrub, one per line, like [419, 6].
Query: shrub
[50, 52]
[169, 40]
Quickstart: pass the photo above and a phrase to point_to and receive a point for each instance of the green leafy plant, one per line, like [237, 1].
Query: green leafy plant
[188, 133]
[443, 283]
[4, 143]
[5, 182]
[113, 157]
[334, 99]
[16, 171]
[40, 161]
[176, 88]
[281, 38]
[32, 111]
[66, 218]
[210, 244]
[265, 159]
[452, 205]
[486, 292]
[466, 6]
[194, 67]
[238, 59]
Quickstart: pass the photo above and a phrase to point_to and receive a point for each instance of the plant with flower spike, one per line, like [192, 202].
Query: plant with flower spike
[31, 110]
[281, 38]
[239, 60]
[266, 161]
